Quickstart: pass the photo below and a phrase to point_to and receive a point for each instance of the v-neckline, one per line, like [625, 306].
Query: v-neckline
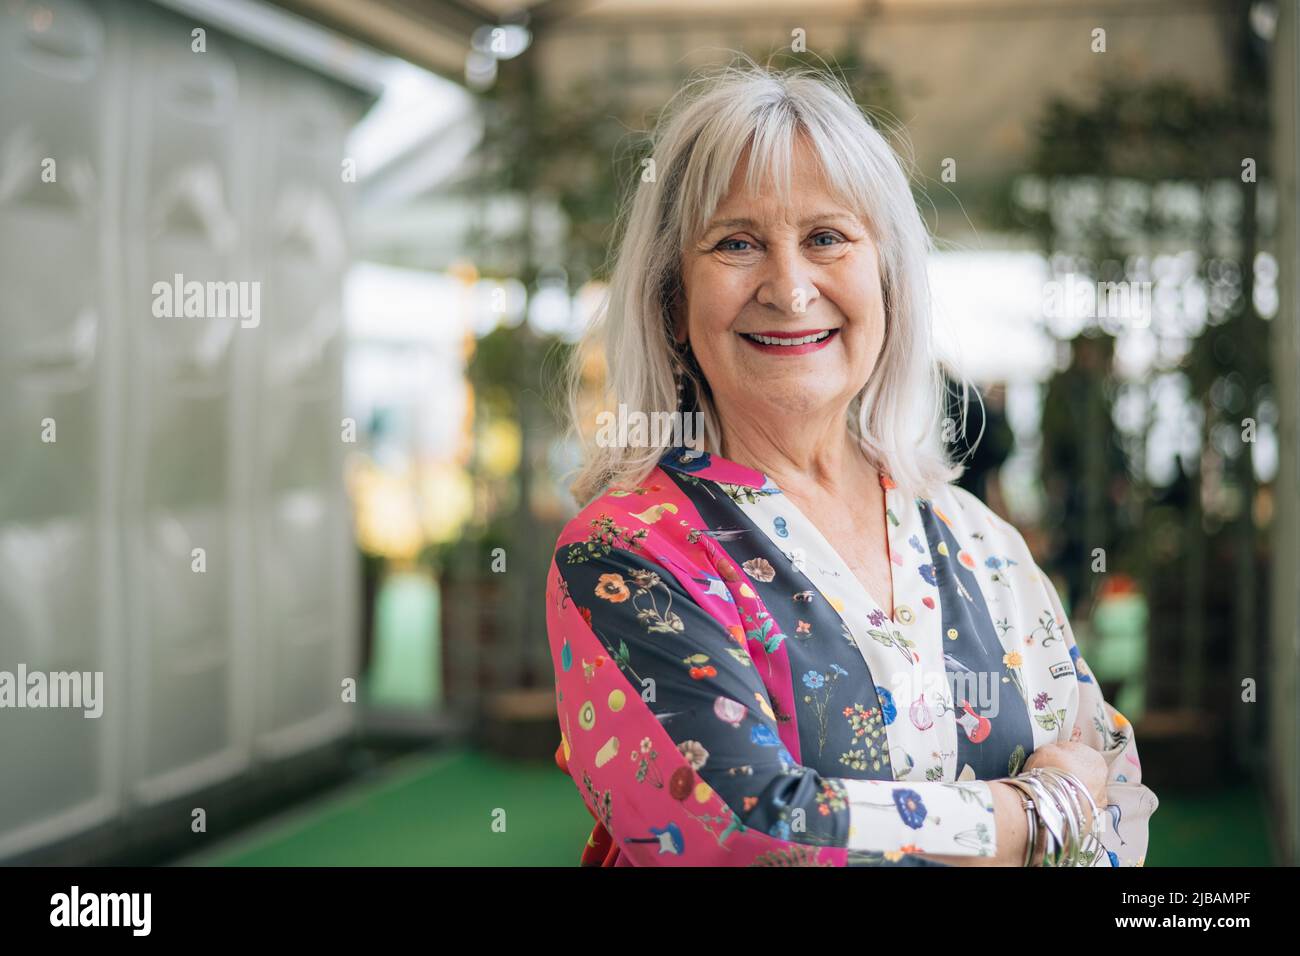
[815, 532]
[913, 631]
[901, 520]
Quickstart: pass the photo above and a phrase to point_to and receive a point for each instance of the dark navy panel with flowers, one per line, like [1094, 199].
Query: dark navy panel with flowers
[841, 712]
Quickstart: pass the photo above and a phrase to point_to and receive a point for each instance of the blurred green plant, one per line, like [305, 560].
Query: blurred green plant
[1139, 171]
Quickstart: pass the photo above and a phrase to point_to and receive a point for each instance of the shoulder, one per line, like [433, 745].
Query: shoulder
[998, 550]
[971, 520]
[628, 518]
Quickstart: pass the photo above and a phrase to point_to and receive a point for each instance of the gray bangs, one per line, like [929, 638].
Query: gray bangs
[769, 128]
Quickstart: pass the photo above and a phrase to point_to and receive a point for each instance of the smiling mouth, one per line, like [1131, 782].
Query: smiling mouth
[787, 339]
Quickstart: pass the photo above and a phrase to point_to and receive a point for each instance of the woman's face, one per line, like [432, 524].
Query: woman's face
[763, 274]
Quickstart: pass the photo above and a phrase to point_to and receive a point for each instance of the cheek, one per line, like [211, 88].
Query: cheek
[862, 304]
[716, 302]
[861, 299]
[862, 286]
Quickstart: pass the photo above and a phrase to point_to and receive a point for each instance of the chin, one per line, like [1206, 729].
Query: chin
[799, 397]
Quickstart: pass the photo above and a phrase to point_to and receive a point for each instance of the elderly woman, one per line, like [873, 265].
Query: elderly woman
[795, 642]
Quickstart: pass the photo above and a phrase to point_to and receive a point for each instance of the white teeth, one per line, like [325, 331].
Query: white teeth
[769, 340]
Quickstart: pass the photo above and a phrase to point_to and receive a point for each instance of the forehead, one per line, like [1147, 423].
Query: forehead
[785, 182]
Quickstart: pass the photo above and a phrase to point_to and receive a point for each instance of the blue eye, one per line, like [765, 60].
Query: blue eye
[727, 242]
[827, 235]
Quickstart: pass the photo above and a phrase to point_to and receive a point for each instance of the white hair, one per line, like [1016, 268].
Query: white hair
[698, 140]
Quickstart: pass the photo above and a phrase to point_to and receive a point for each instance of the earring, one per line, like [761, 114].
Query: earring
[680, 373]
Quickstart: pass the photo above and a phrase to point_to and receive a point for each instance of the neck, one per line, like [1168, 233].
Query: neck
[826, 457]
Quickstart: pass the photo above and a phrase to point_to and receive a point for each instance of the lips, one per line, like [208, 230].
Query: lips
[790, 343]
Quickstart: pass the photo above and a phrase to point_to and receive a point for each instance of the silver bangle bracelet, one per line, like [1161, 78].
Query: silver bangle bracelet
[1054, 813]
[1045, 820]
[1026, 804]
[1070, 811]
[1031, 819]
[1055, 817]
[1084, 837]
[1091, 832]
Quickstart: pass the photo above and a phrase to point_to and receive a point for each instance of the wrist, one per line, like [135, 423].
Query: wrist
[1029, 850]
[1012, 822]
[1068, 829]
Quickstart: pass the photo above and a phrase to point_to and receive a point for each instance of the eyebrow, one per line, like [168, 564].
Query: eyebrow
[803, 223]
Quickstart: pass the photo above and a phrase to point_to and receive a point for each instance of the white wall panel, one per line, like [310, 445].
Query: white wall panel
[303, 574]
[59, 767]
[180, 217]
[173, 433]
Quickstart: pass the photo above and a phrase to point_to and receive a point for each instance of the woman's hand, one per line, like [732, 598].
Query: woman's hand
[1081, 760]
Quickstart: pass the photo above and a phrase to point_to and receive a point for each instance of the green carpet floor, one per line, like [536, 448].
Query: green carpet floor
[439, 811]
[1220, 828]
[425, 811]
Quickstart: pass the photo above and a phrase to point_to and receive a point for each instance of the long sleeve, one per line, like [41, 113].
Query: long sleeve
[1130, 803]
[672, 739]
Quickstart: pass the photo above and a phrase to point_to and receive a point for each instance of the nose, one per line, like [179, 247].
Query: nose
[786, 280]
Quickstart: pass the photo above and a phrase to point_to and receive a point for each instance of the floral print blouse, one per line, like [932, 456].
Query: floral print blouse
[729, 694]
